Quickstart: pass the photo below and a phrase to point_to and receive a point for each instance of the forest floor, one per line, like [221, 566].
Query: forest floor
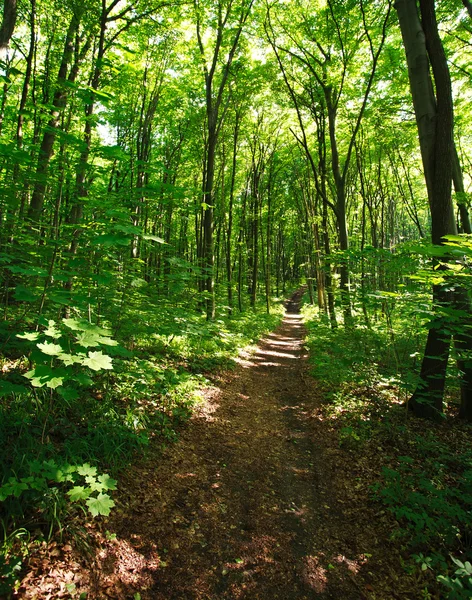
[255, 501]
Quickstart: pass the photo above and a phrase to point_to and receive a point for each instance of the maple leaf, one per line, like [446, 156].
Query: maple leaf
[50, 349]
[107, 482]
[86, 470]
[97, 361]
[78, 492]
[101, 505]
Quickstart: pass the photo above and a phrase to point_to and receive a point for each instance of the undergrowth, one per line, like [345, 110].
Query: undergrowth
[79, 401]
[421, 472]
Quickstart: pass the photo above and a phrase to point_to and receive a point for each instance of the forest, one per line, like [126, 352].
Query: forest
[172, 172]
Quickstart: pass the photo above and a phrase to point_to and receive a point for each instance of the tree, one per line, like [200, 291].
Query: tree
[434, 117]
[230, 21]
[8, 25]
[321, 52]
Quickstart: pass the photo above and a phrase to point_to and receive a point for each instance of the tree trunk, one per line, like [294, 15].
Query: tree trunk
[8, 25]
[229, 231]
[459, 189]
[49, 136]
[434, 118]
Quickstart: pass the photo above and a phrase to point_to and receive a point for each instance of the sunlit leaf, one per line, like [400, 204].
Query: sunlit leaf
[87, 470]
[52, 330]
[32, 337]
[79, 492]
[101, 505]
[50, 349]
[98, 361]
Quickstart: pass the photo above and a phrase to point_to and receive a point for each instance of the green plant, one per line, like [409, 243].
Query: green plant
[10, 568]
[66, 362]
[49, 481]
[12, 552]
[349, 438]
[459, 585]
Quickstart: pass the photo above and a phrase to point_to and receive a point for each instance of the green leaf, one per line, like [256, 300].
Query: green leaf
[107, 341]
[79, 492]
[154, 238]
[112, 153]
[101, 505]
[87, 339]
[87, 470]
[109, 239]
[73, 324]
[52, 330]
[82, 325]
[18, 487]
[83, 379]
[70, 359]
[42, 374]
[23, 294]
[32, 337]
[98, 361]
[50, 349]
[55, 382]
[68, 394]
[107, 482]
[7, 388]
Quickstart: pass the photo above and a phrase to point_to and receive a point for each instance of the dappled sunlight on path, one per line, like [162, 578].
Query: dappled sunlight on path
[240, 507]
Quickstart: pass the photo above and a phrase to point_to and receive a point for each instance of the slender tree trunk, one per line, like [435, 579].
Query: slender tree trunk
[328, 272]
[214, 97]
[229, 232]
[208, 251]
[15, 212]
[459, 189]
[49, 136]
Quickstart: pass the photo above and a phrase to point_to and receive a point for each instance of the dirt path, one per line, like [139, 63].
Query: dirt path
[238, 508]
[249, 504]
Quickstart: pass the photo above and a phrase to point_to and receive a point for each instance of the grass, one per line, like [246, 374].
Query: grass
[420, 472]
[163, 359]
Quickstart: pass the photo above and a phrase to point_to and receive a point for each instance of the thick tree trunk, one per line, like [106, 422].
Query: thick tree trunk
[434, 117]
[8, 25]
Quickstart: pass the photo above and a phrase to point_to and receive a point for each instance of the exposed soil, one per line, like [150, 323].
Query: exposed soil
[255, 501]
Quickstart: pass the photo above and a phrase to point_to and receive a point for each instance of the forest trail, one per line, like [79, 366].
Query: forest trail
[242, 506]
[251, 502]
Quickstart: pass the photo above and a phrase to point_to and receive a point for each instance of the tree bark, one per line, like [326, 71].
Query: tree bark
[8, 25]
[434, 118]
[459, 189]
[229, 231]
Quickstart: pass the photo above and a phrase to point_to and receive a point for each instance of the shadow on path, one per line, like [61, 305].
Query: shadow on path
[240, 507]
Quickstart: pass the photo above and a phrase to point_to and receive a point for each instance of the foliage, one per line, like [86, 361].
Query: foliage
[421, 474]
[74, 419]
